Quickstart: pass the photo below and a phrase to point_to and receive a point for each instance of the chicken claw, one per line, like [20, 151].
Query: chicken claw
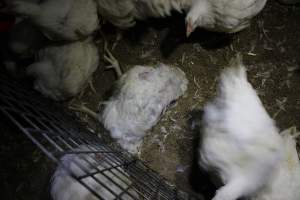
[112, 60]
[118, 38]
[91, 85]
[292, 131]
[83, 109]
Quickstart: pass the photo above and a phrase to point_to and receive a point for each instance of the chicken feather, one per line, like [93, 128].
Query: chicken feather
[61, 19]
[285, 182]
[61, 71]
[227, 16]
[216, 15]
[240, 140]
[143, 95]
[65, 187]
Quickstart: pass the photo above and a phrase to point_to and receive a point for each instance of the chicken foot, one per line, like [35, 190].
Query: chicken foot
[293, 132]
[118, 38]
[113, 61]
[91, 85]
[83, 109]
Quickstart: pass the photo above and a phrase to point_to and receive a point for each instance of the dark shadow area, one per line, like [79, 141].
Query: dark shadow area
[172, 34]
[298, 69]
[199, 179]
[207, 40]
[25, 172]
[289, 4]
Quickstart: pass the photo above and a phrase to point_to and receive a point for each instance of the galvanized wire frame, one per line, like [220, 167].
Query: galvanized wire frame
[57, 134]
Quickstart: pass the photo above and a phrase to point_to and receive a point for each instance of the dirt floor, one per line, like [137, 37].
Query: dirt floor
[271, 52]
[270, 49]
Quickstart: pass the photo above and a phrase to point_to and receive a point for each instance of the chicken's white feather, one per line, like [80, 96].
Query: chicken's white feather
[223, 15]
[65, 187]
[217, 15]
[61, 19]
[285, 182]
[124, 13]
[144, 93]
[62, 71]
[240, 140]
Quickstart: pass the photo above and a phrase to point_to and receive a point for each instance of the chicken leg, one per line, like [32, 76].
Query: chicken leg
[113, 61]
[291, 131]
[83, 109]
[118, 38]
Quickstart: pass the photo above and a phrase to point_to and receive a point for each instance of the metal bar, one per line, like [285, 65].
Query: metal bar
[57, 134]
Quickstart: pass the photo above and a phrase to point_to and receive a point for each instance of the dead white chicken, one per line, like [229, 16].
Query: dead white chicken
[240, 140]
[227, 16]
[108, 185]
[143, 93]
[285, 182]
[61, 19]
[61, 71]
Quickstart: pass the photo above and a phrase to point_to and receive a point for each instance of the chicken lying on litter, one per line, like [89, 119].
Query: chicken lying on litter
[227, 16]
[60, 19]
[65, 187]
[216, 15]
[240, 140]
[142, 96]
[285, 182]
[61, 71]
[144, 93]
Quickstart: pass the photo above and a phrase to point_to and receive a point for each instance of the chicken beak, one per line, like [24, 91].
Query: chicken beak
[189, 28]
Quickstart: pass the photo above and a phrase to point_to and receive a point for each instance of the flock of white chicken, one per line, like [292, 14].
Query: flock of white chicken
[241, 142]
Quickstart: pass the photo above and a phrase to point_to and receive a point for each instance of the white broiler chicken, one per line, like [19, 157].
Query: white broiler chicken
[143, 93]
[240, 140]
[285, 182]
[65, 187]
[61, 71]
[61, 19]
[216, 15]
[124, 13]
[227, 16]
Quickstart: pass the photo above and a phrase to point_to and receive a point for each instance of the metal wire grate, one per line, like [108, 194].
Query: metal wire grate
[57, 134]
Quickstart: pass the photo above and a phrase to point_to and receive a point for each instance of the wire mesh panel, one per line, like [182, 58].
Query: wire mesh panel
[107, 172]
